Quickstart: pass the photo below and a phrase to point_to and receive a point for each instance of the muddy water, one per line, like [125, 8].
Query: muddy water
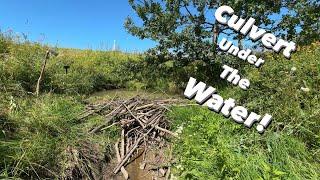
[136, 173]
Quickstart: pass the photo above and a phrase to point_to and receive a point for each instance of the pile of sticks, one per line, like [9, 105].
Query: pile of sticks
[143, 124]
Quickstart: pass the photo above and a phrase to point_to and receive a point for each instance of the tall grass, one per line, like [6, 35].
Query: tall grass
[37, 132]
[212, 147]
[89, 71]
[289, 90]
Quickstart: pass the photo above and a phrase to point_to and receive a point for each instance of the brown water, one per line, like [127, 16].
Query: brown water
[134, 171]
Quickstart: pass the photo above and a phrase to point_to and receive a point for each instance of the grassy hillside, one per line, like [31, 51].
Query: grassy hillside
[89, 70]
[38, 133]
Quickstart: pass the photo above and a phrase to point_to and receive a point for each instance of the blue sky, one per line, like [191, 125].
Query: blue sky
[72, 23]
[84, 24]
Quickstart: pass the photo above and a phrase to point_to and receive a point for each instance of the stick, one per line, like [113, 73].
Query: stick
[123, 170]
[128, 144]
[42, 72]
[122, 144]
[126, 121]
[96, 129]
[102, 129]
[125, 159]
[142, 125]
[116, 147]
[164, 106]
[166, 131]
[94, 111]
[154, 119]
[115, 111]
[144, 106]
[168, 173]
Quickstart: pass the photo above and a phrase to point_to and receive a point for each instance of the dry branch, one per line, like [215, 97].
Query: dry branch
[123, 170]
[143, 123]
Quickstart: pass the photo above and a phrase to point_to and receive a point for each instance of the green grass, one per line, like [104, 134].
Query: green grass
[213, 147]
[41, 130]
[36, 133]
[90, 71]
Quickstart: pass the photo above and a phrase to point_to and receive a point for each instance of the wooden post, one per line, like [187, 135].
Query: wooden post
[42, 72]
[66, 67]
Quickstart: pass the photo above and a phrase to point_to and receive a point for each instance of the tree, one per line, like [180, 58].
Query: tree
[301, 21]
[187, 30]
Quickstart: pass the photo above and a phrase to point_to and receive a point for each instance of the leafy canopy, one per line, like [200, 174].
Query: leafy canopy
[186, 30]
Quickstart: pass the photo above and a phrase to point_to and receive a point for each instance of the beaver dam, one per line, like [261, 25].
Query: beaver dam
[141, 152]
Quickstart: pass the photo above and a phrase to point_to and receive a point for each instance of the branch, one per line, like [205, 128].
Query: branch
[211, 24]
[166, 131]
[123, 170]
[192, 17]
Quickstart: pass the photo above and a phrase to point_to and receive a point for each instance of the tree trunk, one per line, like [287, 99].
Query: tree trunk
[240, 41]
[215, 31]
[42, 72]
